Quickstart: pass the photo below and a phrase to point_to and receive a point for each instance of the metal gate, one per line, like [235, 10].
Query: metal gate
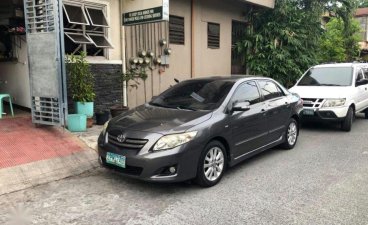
[46, 61]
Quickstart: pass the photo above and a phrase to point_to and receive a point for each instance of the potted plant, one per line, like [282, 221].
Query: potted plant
[81, 84]
[133, 74]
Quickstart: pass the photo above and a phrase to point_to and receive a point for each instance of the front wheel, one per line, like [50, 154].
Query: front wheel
[366, 114]
[291, 135]
[211, 165]
[348, 121]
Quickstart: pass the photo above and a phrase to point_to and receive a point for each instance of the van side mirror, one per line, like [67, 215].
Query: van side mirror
[241, 106]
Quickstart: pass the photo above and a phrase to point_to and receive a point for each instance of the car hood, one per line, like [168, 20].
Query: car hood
[321, 91]
[154, 119]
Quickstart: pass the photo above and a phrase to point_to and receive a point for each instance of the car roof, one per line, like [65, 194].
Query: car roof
[233, 78]
[340, 65]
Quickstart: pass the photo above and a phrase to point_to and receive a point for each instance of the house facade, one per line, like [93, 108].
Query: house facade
[362, 16]
[195, 41]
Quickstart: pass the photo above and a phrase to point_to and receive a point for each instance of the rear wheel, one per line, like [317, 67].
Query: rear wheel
[291, 135]
[348, 121]
[211, 165]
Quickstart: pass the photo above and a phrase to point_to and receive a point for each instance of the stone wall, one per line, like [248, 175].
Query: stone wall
[108, 87]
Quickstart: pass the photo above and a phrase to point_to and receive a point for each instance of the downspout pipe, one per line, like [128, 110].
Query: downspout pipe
[123, 53]
[192, 27]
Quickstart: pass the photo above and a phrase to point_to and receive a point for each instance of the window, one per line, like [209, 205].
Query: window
[176, 30]
[206, 94]
[85, 29]
[213, 35]
[270, 90]
[247, 92]
[327, 76]
[363, 26]
[360, 75]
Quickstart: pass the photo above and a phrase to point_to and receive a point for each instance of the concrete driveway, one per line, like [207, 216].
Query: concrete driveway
[324, 180]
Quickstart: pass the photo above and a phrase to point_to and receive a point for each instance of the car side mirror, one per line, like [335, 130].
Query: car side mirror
[241, 107]
[154, 97]
[362, 82]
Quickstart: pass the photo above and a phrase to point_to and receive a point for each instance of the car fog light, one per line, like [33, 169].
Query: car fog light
[172, 169]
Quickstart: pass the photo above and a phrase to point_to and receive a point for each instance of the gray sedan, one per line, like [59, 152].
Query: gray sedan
[199, 127]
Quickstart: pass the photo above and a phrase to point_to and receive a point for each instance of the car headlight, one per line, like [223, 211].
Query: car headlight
[334, 102]
[105, 127]
[174, 140]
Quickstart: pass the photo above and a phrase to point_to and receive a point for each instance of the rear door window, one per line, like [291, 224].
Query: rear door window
[270, 90]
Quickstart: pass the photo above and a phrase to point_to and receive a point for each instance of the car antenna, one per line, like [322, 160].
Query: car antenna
[176, 80]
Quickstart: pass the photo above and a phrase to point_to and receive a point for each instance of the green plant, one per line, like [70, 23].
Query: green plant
[81, 80]
[135, 74]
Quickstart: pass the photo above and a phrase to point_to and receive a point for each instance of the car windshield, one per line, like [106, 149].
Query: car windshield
[194, 95]
[336, 76]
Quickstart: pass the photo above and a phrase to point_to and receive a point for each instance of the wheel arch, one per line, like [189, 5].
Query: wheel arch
[223, 141]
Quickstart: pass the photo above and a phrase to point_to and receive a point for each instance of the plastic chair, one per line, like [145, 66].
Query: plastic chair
[2, 96]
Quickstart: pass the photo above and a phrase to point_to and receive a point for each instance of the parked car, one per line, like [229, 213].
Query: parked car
[334, 93]
[198, 128]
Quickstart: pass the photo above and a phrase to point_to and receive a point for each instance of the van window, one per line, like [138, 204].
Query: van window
[327, 76]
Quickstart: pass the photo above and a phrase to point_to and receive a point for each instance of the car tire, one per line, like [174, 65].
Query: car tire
[348, 121]
[208, 166]
[366, 114]
[291, 135]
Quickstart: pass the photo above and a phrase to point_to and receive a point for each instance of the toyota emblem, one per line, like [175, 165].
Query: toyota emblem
[121, 138]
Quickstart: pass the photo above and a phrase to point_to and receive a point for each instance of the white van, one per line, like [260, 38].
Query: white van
[334, 92]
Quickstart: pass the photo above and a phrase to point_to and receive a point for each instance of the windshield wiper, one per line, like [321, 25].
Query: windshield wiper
[160, 105]
[185, 107]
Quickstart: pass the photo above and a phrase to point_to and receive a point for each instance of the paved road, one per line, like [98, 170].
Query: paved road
[324, 180]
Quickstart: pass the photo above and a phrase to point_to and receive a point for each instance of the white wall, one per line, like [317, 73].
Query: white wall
[14, 79]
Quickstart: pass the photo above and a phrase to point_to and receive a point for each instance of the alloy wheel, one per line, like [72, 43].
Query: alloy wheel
[213, 164]
[292, 133]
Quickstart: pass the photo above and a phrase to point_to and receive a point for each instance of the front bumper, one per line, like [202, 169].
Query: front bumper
[153, 166]
[336, 114]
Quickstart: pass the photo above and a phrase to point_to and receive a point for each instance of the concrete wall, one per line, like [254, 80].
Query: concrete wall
[207, 62]
[14, 78]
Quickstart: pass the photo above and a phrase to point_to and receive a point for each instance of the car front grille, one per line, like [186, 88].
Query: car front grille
[312, 102]
[129, 143]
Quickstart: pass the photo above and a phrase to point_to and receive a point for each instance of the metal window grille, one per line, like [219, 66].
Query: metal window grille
[40, 16]
[213, 35]
[176, 30]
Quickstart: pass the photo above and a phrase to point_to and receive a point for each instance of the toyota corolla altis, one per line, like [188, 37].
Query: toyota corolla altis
[198, 128]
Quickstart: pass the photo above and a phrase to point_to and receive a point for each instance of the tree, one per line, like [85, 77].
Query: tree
[363, 4]
[333, 42]
[283, 42]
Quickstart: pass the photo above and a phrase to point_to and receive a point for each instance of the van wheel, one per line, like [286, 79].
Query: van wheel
[211, 165]
[291, 135]
[348, 121]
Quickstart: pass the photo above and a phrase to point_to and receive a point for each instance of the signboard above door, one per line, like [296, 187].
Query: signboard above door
[143, 11]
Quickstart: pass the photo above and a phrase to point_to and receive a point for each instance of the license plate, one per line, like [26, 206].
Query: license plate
[115, 159]
[308, 112]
